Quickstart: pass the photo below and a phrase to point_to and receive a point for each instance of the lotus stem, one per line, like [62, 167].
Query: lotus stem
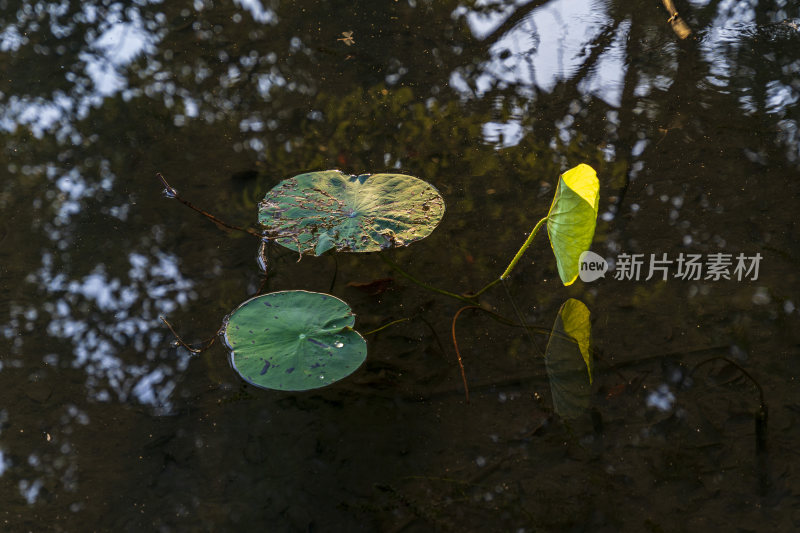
[521, 251]
[458, 354]
[423, 284]
[486, 288]
[392, 323]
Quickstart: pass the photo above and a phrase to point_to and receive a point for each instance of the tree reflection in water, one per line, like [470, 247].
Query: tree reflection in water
[696, 142]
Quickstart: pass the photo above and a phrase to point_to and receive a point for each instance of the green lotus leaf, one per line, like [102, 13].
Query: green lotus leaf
[294, 340]
[572, 219]
[315, 212]
[568, 360]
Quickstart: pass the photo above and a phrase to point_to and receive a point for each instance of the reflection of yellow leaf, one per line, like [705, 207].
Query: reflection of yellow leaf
[347, 38]
[568, 360]
[575, 318]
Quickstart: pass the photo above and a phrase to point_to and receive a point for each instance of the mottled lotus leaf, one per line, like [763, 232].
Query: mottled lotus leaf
[572, 219]
[568, 360]
[294, 340]
[315, 212]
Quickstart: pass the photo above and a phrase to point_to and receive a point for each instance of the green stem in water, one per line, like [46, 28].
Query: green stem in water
[423, 284]
[486, 288]
[386, 326]
[521, 251]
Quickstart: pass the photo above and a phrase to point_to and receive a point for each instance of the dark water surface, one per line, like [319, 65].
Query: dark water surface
[106, 425]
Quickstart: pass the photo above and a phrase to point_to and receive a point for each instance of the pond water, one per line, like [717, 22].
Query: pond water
[106, 424]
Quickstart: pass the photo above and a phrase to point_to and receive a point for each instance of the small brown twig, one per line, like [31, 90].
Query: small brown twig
[206, 344]
[458, 354]
[761, 415]
[170, 192]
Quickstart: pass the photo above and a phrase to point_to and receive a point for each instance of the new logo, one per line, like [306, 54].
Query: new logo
[593, 266]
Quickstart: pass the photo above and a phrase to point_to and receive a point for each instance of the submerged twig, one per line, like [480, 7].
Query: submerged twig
[739, 367]
[433, 331]
[458, 354]
[761, 416]
[206, 344]
[170, 192]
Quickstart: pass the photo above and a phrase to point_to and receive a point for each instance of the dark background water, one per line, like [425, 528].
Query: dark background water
[106, 425]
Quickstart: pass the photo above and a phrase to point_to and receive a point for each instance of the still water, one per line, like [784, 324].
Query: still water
[106, 424]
